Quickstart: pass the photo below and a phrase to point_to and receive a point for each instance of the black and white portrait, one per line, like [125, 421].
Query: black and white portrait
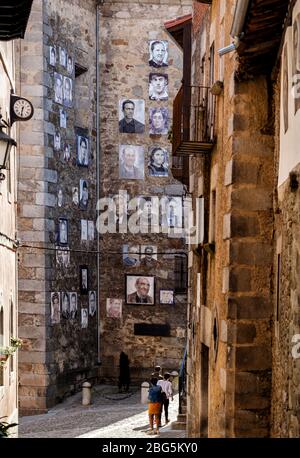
[84, 318]
[75, 196]
[58, 88]
[84, 228]
[57, 141]
[158, 121]
[140, 289]
[63, 231]
[68, 87]
[73, 305]
[166, 296]
[62, 257]
[65, 305]
[62, 57]
[158, 86]
[132, 116]
[63, 118]
[149, 256]
[91, 230]
[158, 165]
[131, 162]
[60, 198]
[172, 212]
[55, 308]
[131, 256]
[70, 64]
[67, 152]
[158, 51]
[92, 303]
[84, 279]
[52, 55]
[82, 143]
[114, 308]
[84, 195]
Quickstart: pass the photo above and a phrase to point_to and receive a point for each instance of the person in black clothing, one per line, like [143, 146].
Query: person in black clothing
[124, 378]
[158, 51]
[128, 124]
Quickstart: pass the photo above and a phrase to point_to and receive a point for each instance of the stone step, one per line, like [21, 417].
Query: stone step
[181, 417]
[183, 410]
[178, 425]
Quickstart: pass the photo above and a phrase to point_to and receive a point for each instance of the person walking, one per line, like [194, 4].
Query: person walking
[154, 405]
[124, 378]
[167, 393]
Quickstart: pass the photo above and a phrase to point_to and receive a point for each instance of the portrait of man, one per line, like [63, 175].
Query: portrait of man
[70, 64]
[84, 235]
[131, 257]
[285, 89]
[67, 152]
[62, 257]
[52, 53]
[92, 303]
[91, 230]
[149, 212]
[158, 121]
[73, 305]
[114, 308]
[58, 88]
[68, 97]
[63, 118]
[55, 308]
[166, 296]
[63, 231]
[158, 50]
[82, 151]
[174, 212]
[131, 116]
[140, 289]
[158, 86]
[149, 256]
[60, 198]
[75, 196]
[84, 195]
[56, 142]
[65, 307]
[62, 56]
[158, 165]
[84, 279]
[84, 318]
[131, 162]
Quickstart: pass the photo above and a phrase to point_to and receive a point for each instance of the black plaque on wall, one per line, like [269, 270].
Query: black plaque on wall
[145, 329]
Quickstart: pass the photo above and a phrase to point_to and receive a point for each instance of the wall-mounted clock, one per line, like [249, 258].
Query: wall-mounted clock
[20, 109]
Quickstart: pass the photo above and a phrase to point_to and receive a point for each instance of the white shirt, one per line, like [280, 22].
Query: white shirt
[166, 387]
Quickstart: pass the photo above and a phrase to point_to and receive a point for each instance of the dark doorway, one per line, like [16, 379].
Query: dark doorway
[204, 391]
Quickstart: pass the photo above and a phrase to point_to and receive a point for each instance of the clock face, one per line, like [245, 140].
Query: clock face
[22, 108]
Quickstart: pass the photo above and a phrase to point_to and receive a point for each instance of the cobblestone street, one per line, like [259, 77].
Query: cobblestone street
[112, 415]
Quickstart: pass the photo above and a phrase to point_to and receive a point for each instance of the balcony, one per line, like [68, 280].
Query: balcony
[193, 121]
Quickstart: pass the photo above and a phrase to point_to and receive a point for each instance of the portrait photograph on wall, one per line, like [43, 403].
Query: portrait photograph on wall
[166, 296]
[55, 308]
[131, 116]
[82, 146]
[73, 305]
[131, 256]
[149, 256]
[52, 55]
[70, 65]
[84, 195]
[158, 121]
[57, 141]
[67, 152]
[65, 305]
[140, 289]
[84, 279]
[75, 196]
[84, 318]
[62, 257]
[158, 86]
[92, 303]
[171, 212]
[68, 88]
[114, 308]
[131, 162]
[62, 56]
[91, 230]
[60, 198]
[63, 231]
[84, 230]
[158, 53]
[158, 164]
[62, 118]
[58, 88]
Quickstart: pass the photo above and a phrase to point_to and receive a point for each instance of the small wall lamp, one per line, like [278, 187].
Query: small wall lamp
[6, 143]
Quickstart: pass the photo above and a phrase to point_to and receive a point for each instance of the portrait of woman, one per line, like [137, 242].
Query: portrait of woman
[65, 308]
[159, 121]
[55, 308]
[158, 162]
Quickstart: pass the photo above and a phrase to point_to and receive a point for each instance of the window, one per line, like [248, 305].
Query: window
[212, 218]
[180, 274]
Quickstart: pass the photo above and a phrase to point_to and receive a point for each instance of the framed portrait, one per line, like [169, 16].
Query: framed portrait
[92, 303]
[60, 198]
[131, 116]
[149, 256]
[56, 141]
[65, 305]
[62, 257]
[52, 55]
[58, 88]
[67, 152]
[62, 56]
[158, 121]
[84, 318]
[158, 53]
[158, 86]
[171, 212]
[166, 296]
[62, 118]
[114, 308]
[68, 91]
[131, 162]
[75, 196]
[158, 162]
[55, 308]
[82, 147]
[140, 289]
[131, 256]
[70, 65]
[73, 305]
[84, 195]
[90, 230]
[84, 229]
[84, 279]
[63, 231]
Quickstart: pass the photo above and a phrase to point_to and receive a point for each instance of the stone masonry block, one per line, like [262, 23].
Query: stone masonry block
[253, 358]
[240, 279]
[32, 161]
[45, 199]
[244, 226]
[248, 308]
[258, 199]
[259, 254]
[245, 333]
[32, 211]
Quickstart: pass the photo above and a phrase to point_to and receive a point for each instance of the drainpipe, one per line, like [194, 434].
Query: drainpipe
[239, 18]
[98, 152]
